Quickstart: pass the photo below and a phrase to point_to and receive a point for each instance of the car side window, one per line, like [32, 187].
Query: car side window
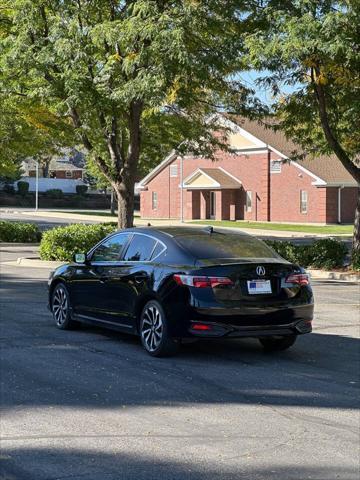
[157, 250]
[110, 250]
[140, 249]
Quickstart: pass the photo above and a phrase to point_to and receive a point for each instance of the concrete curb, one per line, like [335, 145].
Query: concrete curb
[15, 244]
[315, 274]
[332, 275]
[37, 263]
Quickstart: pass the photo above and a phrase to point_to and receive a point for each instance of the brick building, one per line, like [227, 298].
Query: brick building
[62, 169]
[255, 180]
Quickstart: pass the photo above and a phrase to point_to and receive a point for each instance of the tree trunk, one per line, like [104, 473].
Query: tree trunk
[356, 235]
[341, 154]
[45, 167]
[125, 200]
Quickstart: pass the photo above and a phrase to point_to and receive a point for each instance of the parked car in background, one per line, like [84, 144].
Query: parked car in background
[184, 282]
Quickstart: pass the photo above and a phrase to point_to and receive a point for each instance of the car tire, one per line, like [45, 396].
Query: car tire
[277, 344]
[61, 308]
[154, 331]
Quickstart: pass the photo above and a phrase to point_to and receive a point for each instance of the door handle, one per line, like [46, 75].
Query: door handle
[104, 279]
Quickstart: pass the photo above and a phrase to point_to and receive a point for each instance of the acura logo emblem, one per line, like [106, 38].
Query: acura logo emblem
[260, 271]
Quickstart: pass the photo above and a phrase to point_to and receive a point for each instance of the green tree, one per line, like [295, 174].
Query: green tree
[28, 129]
[114, 66]
[313, 47]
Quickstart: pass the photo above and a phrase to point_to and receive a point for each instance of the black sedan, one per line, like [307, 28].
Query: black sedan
[169, 284]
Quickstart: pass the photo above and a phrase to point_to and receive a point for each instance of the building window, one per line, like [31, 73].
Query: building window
[275, 166]
[173, 170]
[154, 200]
[68, 174]
[248, 201]
[303, 201]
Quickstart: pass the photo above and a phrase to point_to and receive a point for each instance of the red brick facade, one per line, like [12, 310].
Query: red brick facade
[275, 196]
[69, 174]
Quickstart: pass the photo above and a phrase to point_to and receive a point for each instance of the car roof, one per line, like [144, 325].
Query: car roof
[177, 231]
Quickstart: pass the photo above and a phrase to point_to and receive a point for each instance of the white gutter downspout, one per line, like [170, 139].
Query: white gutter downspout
[339, 203]
[182, 189]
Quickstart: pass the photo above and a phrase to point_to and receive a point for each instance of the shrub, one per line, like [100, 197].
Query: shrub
[81, 189]
[23, 187]
[325, 253]
[355, 260]
[8, 188]
[63, 242]
[19, 232]
[286, 250]
[54, 193]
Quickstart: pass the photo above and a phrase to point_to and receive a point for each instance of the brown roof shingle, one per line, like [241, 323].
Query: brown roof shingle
[327, 167]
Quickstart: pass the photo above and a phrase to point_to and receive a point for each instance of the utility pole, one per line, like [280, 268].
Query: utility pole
[182, 189]
[112, 203]
[37, 187]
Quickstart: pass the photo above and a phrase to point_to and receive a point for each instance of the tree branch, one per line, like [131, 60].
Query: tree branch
[328, 132]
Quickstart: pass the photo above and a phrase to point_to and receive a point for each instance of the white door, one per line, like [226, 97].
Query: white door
[212, 205]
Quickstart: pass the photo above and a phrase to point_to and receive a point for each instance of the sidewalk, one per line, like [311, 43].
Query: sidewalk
[161, 223]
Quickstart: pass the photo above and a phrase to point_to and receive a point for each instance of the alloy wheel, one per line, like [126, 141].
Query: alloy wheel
[152, 328]
[60, 305]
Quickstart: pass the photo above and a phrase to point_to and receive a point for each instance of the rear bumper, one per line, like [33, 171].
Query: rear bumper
[216, 330]
[251, 322]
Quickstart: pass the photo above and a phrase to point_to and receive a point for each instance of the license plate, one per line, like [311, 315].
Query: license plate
[258, 286]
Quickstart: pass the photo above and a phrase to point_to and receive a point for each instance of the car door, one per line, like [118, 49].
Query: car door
[130, 279]
[89, 283]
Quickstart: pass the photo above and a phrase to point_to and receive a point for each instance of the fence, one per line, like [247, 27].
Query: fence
[66, 185]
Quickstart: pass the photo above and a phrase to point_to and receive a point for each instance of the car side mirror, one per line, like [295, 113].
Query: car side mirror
[80, 258]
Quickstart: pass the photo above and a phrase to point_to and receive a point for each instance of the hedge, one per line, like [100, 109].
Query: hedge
[23, 188]
[325, 253]
[54, 193]
[19, 232]
[62, 243]
[355, 261]
[10, 189]
[81, 190]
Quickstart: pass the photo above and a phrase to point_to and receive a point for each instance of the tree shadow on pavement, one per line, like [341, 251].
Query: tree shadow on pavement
[71, 463]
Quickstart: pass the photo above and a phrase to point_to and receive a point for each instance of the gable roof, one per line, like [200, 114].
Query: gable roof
[327, 167]
[211, 178]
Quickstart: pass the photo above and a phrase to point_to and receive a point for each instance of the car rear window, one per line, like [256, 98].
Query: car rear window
[225, 245]
[140, 249]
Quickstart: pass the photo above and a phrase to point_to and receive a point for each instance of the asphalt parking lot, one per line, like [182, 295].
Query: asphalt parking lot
[92, 405]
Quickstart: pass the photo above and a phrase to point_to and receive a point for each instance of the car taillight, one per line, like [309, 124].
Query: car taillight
[202, 327]
[201, 282]
[298, 279]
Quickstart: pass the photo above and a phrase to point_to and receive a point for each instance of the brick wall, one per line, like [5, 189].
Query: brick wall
[349, 197]
[252, 171]
[285, 196]
[244, 167]
[331, 204]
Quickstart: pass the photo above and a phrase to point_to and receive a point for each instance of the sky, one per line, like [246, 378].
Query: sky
[264, 94]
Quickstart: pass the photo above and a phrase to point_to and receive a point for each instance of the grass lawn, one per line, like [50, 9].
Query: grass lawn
[286, 227]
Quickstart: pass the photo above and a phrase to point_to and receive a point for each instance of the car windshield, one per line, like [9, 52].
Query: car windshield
[225, 245]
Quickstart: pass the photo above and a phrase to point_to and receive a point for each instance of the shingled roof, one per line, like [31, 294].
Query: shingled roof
[327, 167]
[218, 177]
